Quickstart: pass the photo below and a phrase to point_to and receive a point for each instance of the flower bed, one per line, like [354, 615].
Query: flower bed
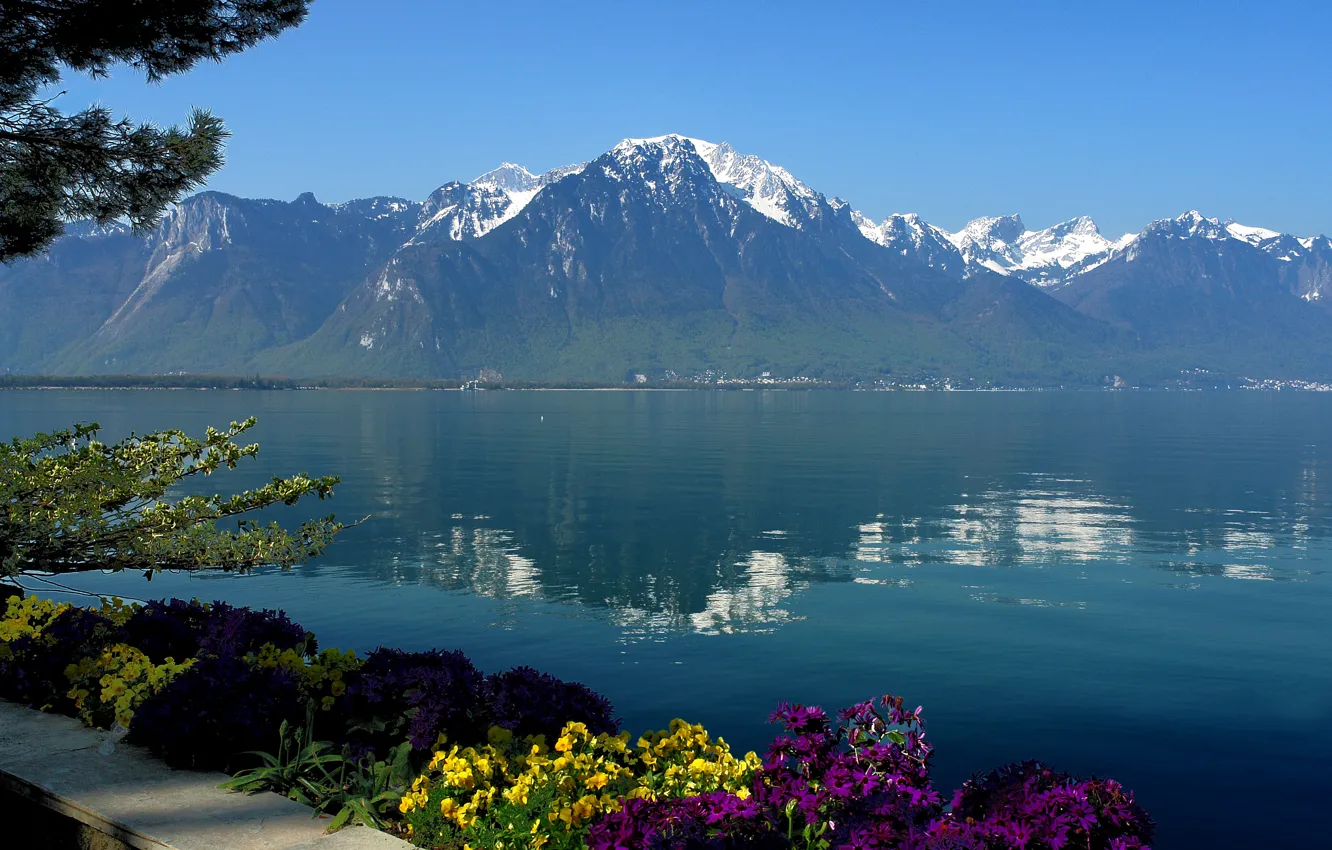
[426, 745]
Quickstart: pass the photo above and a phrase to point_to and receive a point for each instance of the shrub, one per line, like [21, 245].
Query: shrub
[219, 708]
[685, 761]
[47, 640]
[865, 784]
[518, 793]
[107, 689]
[172, 629]
[528, 702]
[415, 695]
[180, 629]
[323, 680]
[1032, 806]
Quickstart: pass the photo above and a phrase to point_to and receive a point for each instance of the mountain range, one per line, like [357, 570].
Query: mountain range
[668, 256]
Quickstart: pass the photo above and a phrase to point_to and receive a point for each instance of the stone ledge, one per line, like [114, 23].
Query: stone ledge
[119, 791]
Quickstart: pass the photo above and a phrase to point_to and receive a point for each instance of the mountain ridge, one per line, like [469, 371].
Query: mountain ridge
[662, 255]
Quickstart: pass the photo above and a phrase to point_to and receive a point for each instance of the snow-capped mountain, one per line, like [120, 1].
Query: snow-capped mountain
[991, 242]
[670, 253]
[459, 210]
[1190, 225]
[1304, 264]
[910, 236]
[769, 189]
[1048, 257]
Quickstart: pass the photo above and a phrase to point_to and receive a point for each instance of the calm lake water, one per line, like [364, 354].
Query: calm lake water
[1134, 585]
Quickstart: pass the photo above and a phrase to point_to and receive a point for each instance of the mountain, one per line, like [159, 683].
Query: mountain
[471, 210]
[1215, 291]
[648, 260]
[220, 278]
[666, 255]
[910, 236]
[1306, 270]
[1043, 257]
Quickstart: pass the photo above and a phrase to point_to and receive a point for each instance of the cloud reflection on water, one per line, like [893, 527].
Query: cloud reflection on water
[753, 586]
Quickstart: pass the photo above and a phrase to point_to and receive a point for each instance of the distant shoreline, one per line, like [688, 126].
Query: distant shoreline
[225, 383]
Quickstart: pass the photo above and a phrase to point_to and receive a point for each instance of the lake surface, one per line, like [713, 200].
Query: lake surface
[1133, 585]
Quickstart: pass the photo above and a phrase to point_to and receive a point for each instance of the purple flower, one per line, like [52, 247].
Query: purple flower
[415, 695]
[529, 702]
[865, 785]
[217, 709]
[180, 630]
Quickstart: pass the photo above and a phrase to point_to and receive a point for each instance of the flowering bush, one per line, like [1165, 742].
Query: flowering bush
[109, 688]
[27, 616]
[865, 784]
[180, 629]
[529, 702]
[220, 707]
[417, 696]
[323, 678]
[861, 784]
[1029, 805]
[102, 664]
[685, 761]
[47, 639]
[517, 793]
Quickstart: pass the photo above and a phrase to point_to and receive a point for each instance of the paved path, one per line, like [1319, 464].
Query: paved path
[120, 790]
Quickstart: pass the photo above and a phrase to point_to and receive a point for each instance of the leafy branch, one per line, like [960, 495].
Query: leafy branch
[69, 503]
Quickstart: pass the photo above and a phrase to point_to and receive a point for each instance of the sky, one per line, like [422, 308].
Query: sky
[1127, 111]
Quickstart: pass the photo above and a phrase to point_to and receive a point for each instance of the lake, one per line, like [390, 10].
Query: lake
[1128, 584]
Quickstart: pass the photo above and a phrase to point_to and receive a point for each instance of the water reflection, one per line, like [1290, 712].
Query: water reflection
[747, 593]
[1044, 524]
[716, 513]
[729, 579]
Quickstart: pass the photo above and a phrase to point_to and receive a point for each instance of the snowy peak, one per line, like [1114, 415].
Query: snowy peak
[991, 230]
[991, 242]
[910, 236]
[1046, 257]
[1052, 254]
[1080, 226]
[1191, 224]
[465, 211]
[471, 210]
[666, 166]
[1252, 235]
[508, 177]
[769, 189]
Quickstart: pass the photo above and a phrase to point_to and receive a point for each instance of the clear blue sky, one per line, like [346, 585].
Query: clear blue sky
[1125, 111]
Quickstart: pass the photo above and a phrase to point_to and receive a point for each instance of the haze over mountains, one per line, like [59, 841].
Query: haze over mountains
[665, 256]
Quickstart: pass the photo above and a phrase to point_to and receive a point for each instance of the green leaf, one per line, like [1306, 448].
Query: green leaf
[340, 820]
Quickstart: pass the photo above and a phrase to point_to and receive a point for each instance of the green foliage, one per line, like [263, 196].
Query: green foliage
[299, 771]
[311, 773]
[371, 793]
[69, 503]
[56, 167]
